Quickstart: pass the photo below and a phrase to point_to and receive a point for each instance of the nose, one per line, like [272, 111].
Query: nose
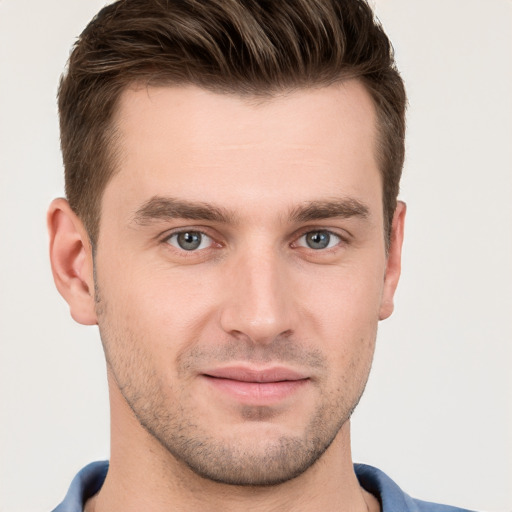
[259, 299]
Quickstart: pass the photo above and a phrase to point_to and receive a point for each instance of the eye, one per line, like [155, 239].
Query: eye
[189, 240]
[318, 240]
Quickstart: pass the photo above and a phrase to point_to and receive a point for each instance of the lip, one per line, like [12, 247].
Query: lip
[263, 386]
[263, 375]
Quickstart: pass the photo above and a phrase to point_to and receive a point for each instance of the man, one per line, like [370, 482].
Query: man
[232, 227]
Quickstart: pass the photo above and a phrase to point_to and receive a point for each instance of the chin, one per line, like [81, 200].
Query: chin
[268, 462]
[257, 452]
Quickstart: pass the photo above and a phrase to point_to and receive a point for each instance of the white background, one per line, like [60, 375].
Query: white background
[437, 414]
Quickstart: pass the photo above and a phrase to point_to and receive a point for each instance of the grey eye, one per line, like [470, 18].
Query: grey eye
[189, 240]
[319, 240]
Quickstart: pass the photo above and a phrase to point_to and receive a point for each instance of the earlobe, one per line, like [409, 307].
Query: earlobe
[71, 261]
[394, 262]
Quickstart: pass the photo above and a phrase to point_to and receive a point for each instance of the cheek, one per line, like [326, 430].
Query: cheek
[163, 308]
[343, 312]
[345, 299]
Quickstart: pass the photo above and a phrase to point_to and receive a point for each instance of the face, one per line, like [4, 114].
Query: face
[241, 271]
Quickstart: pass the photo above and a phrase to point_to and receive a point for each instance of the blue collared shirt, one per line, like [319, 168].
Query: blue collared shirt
[90, 479]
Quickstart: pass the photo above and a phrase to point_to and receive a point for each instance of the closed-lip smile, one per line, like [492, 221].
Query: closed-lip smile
[258, 386]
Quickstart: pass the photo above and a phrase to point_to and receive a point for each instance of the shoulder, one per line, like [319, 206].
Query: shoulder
[391, 497]
[86, 483]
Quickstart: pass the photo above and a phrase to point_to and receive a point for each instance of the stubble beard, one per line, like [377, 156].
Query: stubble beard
[239, 461]
[183, 432]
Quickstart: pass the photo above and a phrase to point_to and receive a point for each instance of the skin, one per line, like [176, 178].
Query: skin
[250, 180]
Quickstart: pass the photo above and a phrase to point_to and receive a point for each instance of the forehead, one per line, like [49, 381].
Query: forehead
[191, 143]
[189, 112]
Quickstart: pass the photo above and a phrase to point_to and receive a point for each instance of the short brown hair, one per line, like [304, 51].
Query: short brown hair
[244, 47]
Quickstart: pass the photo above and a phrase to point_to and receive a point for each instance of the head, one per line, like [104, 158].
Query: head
[246, 48]
[232, 171]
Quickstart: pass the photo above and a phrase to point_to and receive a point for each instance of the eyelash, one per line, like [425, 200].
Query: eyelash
[342, 240]
[331, 234]
[193, 252]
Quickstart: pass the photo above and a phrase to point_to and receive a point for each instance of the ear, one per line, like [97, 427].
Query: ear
[394, 263]
[71, 260]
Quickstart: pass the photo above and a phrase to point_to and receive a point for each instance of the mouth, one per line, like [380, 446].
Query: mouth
[256, 386]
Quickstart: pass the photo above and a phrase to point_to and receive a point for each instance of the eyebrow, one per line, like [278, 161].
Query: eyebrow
[166, 208]
[334, 208]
